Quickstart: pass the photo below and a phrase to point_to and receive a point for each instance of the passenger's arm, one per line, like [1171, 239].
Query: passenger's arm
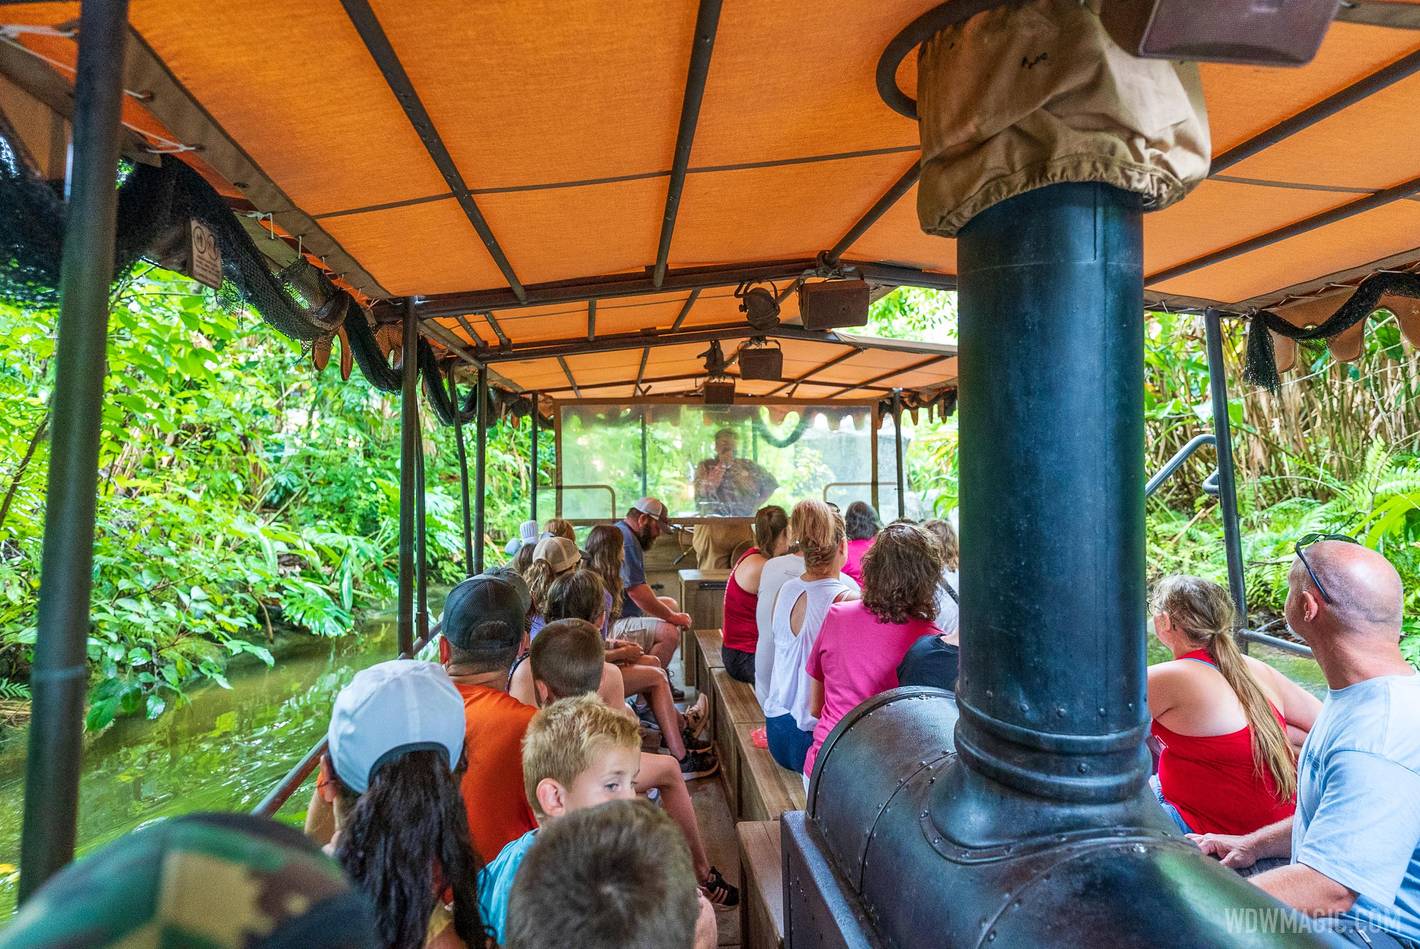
[1305, 889]
[1162, 688]
[1299, 707]
[1240, 851]
[612, 689]
[644, 597]
[815, 697]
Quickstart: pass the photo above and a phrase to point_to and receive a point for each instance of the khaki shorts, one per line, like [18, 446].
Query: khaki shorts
[640, 630]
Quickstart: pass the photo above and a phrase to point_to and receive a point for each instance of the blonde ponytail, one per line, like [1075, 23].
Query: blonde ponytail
[818, 530]
[1205, 612]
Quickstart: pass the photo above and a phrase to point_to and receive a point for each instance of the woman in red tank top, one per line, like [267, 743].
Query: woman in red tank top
[1229, 725]
[771, 538]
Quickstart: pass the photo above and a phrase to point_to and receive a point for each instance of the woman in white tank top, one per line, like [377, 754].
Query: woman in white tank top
[799, 611]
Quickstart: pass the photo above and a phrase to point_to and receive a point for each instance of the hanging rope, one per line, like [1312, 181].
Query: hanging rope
[762, 431]
[1261, 368]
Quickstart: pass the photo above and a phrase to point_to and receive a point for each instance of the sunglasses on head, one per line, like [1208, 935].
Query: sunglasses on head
[1306, 541]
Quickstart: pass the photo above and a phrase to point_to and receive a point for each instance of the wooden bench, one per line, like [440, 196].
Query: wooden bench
[761, 885]
[707, 657]
[764, 790]
[732, 703]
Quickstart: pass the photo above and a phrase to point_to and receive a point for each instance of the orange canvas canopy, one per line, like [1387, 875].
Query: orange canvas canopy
[542, 174]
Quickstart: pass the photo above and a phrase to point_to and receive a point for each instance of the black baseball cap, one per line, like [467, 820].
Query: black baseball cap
[485, 613]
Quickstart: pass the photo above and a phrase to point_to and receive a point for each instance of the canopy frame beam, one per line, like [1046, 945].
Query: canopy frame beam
[601, 287]
[707, 23]
[372, 34]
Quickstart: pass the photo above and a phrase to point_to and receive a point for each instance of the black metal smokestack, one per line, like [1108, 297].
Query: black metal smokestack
[1051, 365]
[1019, 813]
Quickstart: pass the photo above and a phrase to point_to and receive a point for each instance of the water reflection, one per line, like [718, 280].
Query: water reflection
[223, 751]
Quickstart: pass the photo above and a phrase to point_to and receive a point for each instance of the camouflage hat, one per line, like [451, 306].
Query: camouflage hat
[210, 881]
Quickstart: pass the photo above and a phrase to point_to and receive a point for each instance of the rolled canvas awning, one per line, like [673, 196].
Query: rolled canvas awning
[508, 163]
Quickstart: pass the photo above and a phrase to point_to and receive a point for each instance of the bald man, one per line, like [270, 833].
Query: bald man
[1354, 841]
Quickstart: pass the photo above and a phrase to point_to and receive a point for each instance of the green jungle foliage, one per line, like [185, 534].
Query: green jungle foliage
[242, 494]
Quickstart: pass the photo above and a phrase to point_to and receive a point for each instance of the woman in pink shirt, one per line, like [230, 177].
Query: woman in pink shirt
[863, 526]
[862, 641]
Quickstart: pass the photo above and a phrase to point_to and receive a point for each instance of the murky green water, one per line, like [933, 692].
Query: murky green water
[224, 751]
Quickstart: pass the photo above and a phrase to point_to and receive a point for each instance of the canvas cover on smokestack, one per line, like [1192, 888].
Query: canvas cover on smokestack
[1036, 93]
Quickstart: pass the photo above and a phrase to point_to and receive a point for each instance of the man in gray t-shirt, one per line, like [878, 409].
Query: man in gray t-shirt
[1354, 842]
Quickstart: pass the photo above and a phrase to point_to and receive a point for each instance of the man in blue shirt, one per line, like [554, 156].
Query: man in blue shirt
[1354, 842]
[652, 622]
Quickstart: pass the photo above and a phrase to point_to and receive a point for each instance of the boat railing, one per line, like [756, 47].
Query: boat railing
[1176, 462]
[277, 797]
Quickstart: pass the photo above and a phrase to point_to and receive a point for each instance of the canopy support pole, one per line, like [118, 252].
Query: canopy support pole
[645, 474]
[60, 676]
[532, 475]
[1227, 475]
[874, 421]
[408, 449]
[421, 542]
[480, 486]
[897, 446]
[463, 474]
[1051, 277]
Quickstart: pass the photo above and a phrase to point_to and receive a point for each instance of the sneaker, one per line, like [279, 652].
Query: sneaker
[697, 716]
[698, 764]
[677, 694]
[694, 742]
[718, 890]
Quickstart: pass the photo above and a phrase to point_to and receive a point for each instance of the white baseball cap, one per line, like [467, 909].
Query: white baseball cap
[652, 507]
[388, 710]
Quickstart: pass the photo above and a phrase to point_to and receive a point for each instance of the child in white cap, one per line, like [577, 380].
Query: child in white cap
[396, 743]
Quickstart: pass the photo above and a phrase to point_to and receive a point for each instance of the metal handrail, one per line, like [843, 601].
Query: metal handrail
[281, 793]
[1283, 645]
[1179, 457]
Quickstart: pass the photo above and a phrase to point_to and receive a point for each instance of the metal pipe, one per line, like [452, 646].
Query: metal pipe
[408, 435]
[480, 486]
[645, 473]
[874, 214]
[1227, 480]
[532, 480]
[875, 419]
[1403, 68]
[1173, 464]
[685, 278]
[60, 676]
[373, 34]
[707, 21]
[897, 446]
[421, 543]
[1061, 267]
[1360, 206]
[463, 475]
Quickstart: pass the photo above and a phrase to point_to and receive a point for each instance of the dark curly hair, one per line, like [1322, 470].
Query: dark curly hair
[900, 574]
[406, 839]
[861, 521]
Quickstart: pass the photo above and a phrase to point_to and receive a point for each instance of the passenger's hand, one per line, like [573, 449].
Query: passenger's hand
[1235, 851]
[680, 619]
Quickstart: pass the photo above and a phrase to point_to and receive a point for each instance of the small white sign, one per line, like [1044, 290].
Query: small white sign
[205, 256]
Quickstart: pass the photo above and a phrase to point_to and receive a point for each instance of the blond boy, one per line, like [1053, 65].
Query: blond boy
[577, 753]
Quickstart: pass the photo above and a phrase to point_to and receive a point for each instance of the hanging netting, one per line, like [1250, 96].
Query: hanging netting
[156, 205]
